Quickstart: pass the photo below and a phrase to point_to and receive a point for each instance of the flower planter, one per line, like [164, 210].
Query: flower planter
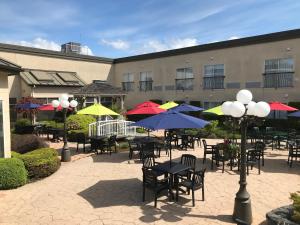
[281, 216]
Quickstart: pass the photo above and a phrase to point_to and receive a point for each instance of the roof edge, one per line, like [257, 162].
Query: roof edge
[51, 53]
[271, 37]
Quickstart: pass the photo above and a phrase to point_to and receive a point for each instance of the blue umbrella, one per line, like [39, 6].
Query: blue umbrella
[295, 114]
[186, 108]
[28, 105]
[171, 120]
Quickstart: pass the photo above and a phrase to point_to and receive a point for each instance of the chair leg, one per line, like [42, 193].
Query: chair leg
[203, 193]
[155, 199]
[212, 164]
[263, 160]
[83, 147]
[223, 168]
[77, 147]
[193, 197]
[204, 158]
[258, 166]
[247, 169]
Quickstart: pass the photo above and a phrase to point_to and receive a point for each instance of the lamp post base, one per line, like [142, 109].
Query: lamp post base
[65, 155]
[242, 211]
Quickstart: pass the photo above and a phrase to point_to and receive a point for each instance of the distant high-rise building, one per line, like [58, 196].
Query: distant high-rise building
[71, 47]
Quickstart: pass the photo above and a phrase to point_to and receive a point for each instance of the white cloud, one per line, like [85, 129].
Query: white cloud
[85, 50]
[38, 43]
[156, 45]
[47, 44]
[117, 44]
[233, 38]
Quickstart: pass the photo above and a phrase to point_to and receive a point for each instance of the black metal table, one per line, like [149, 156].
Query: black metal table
[97, 142]
[173, 169]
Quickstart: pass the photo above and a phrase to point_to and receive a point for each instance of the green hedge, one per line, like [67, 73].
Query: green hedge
[40, 163]
[73, 133]
[52, 123]
[12, 173]
[79, 122]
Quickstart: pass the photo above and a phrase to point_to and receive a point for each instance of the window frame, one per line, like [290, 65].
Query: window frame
[147, 84]
[214, 77]
[185, 81]
[128, 84]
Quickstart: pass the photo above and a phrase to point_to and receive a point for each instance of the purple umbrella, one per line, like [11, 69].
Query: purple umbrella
[186, 108]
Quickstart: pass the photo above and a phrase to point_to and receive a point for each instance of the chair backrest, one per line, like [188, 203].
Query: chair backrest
[260, 146]
[80, 137]
[148, 161]
[131, 144]
[204, 143]
[149, 178]
[188, 160]
[198, 178]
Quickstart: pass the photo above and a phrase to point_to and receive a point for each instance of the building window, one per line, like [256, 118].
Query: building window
[107, 101]
[184, 79]
[128, 82]
[1, 132]
[12, 109]
[279, 73]
[89, 101]
[146, 81]
[213, 76]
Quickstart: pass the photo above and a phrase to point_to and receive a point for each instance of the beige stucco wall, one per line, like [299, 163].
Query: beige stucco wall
[87, 71]
[4, 96]
[242, 64]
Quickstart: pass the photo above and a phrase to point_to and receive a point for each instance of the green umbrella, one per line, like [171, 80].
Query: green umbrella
[216, 110]
[97, 110]
[168, 105]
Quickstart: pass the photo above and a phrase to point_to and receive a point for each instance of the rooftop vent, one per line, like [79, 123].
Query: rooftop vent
[71, 47]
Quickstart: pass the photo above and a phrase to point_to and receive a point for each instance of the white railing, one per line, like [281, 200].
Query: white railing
[112, 127]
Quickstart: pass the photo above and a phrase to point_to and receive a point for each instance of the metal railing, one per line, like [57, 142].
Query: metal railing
[112, 127]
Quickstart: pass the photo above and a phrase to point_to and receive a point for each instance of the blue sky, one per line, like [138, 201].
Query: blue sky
[118, 28]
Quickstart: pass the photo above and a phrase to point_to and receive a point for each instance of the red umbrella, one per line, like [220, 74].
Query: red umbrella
[147, 104]
[49, 107]
[144, 110]
[281, 107]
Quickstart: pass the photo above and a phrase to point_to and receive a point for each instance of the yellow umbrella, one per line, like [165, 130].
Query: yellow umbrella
[168, 105]
[216, 110]
[97, 110]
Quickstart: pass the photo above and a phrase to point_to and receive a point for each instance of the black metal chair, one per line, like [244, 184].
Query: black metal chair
[151, 181]
[261, 146]
[194, 183]
[219, 156]
[187, 160]
[253, 157]
[147, 149]
[294, 153]
[133, 147]
[81, 138]
[208, 149]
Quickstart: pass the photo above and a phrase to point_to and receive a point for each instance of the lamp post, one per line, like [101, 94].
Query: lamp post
[244, 109]
[65, 104]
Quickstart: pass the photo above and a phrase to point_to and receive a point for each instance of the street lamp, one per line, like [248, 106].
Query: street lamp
[245, 109]
[65, 104]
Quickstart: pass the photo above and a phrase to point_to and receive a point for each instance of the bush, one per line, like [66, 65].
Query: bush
[23, 122]
[73, 133]
[79, 122]
[26, 143]
[296, 207]
[12, 173]
[23, 126]
[140, 130]
[52, 123]
[41, 162]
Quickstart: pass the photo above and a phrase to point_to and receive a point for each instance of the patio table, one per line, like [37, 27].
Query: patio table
[97, 142]
[173, 169]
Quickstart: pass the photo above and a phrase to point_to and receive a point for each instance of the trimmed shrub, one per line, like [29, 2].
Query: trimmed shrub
[52, 123]
[79, 122]
[23, 126]
[73, 133]
[26, 143]
[23, 122]
[12, 173]
[296, 207]
[41, 162]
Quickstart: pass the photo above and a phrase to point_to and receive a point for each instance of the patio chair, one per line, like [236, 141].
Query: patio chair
[147, 149]
[260, 146]
[294, 153]
[81, 139]
[252, 158]
[194, 183]
[151, 182]
[208, 149]
[187, 160]
[133, 147]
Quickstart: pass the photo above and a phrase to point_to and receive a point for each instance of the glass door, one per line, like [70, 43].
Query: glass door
[1, 131]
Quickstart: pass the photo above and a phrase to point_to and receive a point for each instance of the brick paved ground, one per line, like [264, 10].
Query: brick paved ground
[103, 189]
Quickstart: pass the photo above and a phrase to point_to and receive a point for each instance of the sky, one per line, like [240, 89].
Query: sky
[120, 28]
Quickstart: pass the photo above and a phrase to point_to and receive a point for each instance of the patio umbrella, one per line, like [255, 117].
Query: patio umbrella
[145, 111]
[168, 105]
[97, 110]
[295, 114]
[49, 107]
[216, 110]
[147, 104]
[171, 120]
[186, 108]
[281, 107]
[28, 105]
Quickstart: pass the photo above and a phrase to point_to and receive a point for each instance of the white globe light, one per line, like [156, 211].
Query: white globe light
[262, 109]
[63, 97]
[73, 103]
[55, 103]
[237, 109]
[251, 108]
[226, 108]
[65, 104]
[244, 96]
